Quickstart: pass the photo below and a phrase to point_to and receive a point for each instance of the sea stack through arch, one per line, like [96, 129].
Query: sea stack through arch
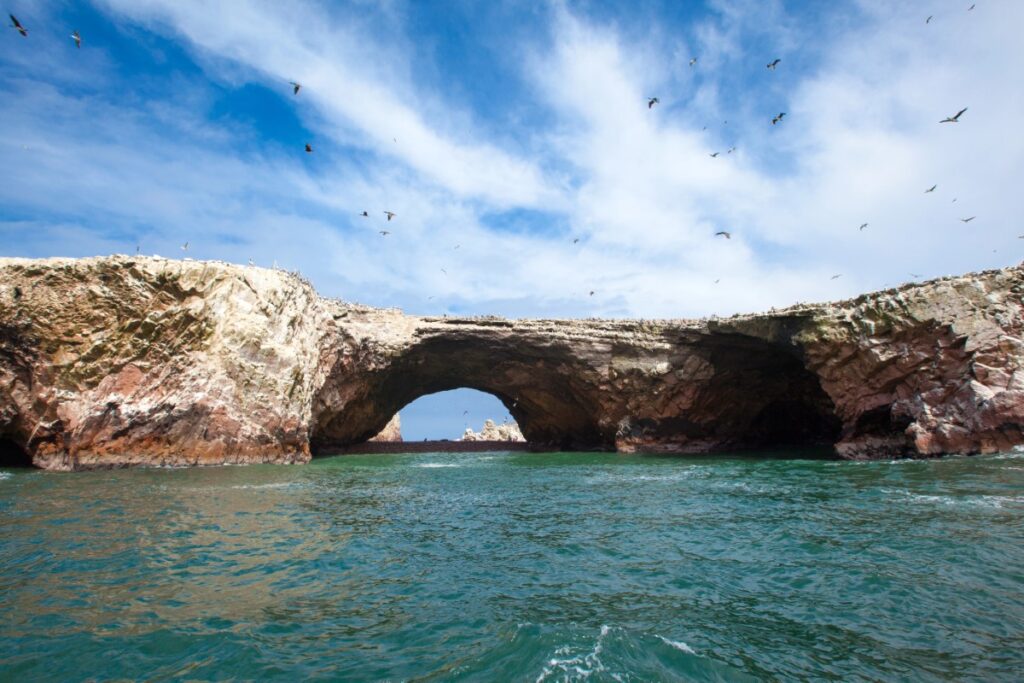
[147, 361]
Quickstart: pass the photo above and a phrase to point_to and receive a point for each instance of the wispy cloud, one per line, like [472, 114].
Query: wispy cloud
[488, 205]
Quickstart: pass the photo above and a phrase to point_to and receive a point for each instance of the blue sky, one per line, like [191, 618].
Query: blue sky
[501, 132]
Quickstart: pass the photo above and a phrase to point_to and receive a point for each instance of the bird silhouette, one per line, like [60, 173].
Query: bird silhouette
[390, 215]
[955, 118]
[731, 150]
[444, 271]
[591, 292]
[184, 247]
[693, 61]
[17, 25]
[296, 87]
[309, 148]
[723, 233]
[576, 240]
[714, 155]
[774, 63]
[778, 119]
[967, 220]
[862, 226]
[930, 189]
[77, 37]
[836, 277]
[651, 101]
[384, 233]
[928, 20]
[365, 214]
[914, 275]
[970, 8]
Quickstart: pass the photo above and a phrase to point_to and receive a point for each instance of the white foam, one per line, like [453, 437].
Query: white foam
[583, 665]
[679, 645]
[281, 485]
[5, 475]
[432, 465]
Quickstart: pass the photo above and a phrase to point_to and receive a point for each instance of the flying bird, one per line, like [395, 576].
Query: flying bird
[17, 24]
[714, 155]
[444, 271]
[836, 277]
[774, 63]
[862, 226]
[184, 247]
[970, 8]
[723, 233]
[456, 247]
[967, 220]
[716, 281]
[693, 61]
[930, 189]
[591, 292]
[77, 37]
[384, 233]
[309, 148]
[389, 214]
[651, 101]
[465, 412]
[928, 20]
[778, 119]
[296, 87]
[955, 118]
[576, 241]
[731, 150]
[364, 214]
[915, 275]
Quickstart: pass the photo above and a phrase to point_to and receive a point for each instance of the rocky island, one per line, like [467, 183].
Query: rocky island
[121, 360]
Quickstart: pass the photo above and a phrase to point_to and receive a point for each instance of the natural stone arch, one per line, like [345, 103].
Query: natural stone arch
[539, 389]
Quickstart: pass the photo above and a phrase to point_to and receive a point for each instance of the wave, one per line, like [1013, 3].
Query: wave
[678, 644]
[432, 465]
[5, 475]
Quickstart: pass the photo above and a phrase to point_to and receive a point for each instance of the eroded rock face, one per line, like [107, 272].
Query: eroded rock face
[506, 431]
[120, 361]
[392, 431]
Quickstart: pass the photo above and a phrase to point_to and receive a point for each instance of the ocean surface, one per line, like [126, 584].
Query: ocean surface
[517, 567]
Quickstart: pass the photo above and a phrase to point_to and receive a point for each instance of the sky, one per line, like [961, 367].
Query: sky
[515, 145]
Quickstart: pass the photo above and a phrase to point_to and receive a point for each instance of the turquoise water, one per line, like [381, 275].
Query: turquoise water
[529, 567]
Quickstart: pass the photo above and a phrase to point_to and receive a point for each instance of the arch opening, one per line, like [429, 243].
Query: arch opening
[447, 415]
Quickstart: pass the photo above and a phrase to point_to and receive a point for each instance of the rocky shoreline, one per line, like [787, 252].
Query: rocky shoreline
[121, 360]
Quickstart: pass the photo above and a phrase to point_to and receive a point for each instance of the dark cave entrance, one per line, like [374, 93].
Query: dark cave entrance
[13, 455]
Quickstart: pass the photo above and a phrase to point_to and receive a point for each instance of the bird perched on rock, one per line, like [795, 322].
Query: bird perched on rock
[774, 63]
[723, 233]
[651, 101]
[77, 37]
[309, 148]
[17, 25]
[389, 214]
[862, 226]
[955, 118]
[930, 189]
[296, 87]
[778, 119]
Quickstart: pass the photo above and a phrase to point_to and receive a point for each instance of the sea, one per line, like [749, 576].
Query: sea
[518, 567]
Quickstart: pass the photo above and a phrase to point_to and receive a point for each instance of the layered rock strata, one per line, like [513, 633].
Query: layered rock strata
[123, 361]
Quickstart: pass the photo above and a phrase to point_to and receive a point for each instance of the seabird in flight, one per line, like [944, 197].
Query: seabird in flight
[774, 63]
[930, 189]
[384, 233]
[17, 24]
[928, 20]
[778, 119]
[915, 275]
[693, 61]
[967, 220]
[77, 37]
[651, 101]
[390, 215]
[309, 148]
[723, 233]
[184, 247]
[955, 118]
[836, 277]
[576, 240]
[364, 214]
[296, 87]
[862, 226]
[714, 155]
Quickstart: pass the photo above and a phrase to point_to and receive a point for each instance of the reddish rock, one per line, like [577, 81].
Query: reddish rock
[124, 361]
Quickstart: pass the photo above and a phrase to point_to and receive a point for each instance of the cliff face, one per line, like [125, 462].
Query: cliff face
[506, 431]
[120, 361]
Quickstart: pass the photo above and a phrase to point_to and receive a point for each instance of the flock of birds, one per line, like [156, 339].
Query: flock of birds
[651, 102]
